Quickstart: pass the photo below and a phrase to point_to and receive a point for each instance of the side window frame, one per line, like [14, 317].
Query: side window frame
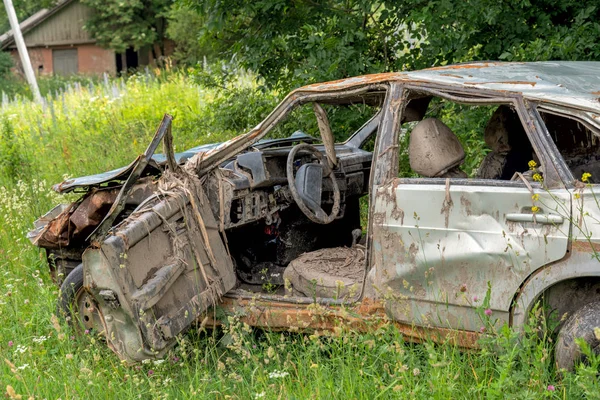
[562, 168]
[477, 97]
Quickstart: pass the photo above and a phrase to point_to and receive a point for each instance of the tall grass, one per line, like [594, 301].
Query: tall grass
[89, 129]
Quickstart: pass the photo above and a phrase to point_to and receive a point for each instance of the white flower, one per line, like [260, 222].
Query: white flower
[21, 349]
[41, 339]
[22, 367]
[158, 362]
[278, 374]
[259, 395]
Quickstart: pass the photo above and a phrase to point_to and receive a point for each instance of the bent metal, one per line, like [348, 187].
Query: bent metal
[271, 225]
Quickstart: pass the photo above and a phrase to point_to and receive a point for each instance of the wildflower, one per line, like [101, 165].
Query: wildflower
[535, 197]
[416, 372]
[39, 340]
[21, 349]
[551, 388]
[577, 195]
[475, 299]
[537, 177]
[463, 287]
[69, 356]
[259, 395]
[10, 343]
[585, 177]
[175, 359]
[535, 209]
[87, 332]
[278, 374]
[482, 329]
[150, 372]
[532, 164]
[158, 362]
[488, 312]
[22, 367]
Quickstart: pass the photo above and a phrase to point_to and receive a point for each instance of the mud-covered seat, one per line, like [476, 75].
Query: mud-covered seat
[330, 273]
[511, 150]
[434, 151]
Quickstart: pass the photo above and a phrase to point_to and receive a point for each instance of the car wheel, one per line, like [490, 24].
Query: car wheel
[579, 325]
[77, 306]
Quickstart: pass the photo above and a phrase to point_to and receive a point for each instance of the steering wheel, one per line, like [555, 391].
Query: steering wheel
[307, 185]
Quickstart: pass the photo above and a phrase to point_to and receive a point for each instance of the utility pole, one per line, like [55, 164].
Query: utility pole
[25, 61]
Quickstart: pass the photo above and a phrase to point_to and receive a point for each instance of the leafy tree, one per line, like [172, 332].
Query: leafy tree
[121, 24]
[24, 9]
[294, 42]
[184, 27]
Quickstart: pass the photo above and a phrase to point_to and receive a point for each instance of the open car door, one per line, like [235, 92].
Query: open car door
[153, 274]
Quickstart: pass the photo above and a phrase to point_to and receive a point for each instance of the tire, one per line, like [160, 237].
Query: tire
[579, 325]
[77, 306]
[69, 289]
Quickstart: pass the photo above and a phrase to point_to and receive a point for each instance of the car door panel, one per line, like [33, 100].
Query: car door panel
[158, 271]
[436, 247]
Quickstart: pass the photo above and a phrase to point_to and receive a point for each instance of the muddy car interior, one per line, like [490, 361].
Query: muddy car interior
[577, 141]
[429, 148]
[293, 226]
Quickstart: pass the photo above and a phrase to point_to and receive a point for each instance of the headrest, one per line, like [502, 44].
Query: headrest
[433, 148]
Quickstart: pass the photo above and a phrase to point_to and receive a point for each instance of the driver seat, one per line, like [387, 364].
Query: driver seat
[327, 273]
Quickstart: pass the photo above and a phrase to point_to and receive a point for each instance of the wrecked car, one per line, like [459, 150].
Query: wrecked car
[367, 212]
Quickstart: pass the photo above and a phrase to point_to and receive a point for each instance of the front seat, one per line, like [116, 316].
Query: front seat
[335, 273]
[434, 150]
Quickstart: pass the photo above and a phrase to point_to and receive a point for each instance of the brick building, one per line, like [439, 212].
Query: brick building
[58, 44]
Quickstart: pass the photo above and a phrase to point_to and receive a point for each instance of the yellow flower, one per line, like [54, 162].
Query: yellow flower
[585, 177]
[535, 197]
[537, 177]
[535, 209]
[577, 196]
[532, 164]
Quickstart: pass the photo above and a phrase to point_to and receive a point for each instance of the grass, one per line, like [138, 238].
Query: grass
[87, 130]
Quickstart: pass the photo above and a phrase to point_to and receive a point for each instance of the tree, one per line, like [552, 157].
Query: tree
[121, 24]
[24, 9]
[293, 42]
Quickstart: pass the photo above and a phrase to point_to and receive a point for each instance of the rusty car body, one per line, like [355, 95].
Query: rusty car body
[273, 231]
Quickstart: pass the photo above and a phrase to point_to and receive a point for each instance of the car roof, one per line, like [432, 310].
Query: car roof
[569, 83]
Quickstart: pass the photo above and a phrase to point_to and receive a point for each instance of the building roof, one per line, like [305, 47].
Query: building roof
[7, 38]
[568, 83]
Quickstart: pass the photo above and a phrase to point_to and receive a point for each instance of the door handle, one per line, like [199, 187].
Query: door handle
[537, 218]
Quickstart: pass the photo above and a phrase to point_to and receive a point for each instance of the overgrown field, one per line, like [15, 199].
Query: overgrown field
[91, 129]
